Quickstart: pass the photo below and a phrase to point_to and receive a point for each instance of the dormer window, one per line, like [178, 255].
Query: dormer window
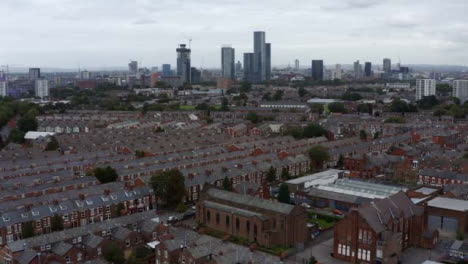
[6, 218]
[89, 202]
[35, 213]
[63, 207]
[105, 198]
[113, 197]
[52, 209]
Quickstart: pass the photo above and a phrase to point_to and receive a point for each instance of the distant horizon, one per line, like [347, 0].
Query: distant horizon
[66, 33]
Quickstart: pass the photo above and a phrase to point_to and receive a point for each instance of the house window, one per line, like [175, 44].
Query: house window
[237, 224]
[227, 221]
[67, 259]
[255, 229]
[127, 242]
[79, 257]
[99, 251]
[208, 216]
[340, 249]
[248, 226]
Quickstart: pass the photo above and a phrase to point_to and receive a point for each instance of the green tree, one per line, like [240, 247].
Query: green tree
[16, 136]
[365, 108]
[349, 96]
[139, 154]
[181, 207]
[285, 174]
[118, 209]
[336, 107]
[169, 186]
[227, 184]
[224, 104]
[443, 89]
[428, 102]
[313, 130]
[318, 155]
[253, 117]
[56, 223]
[28, 229]
[278, 95]
[105, 175]
[312, 260]
[283, 194]
[113, 253]
[340, 162]
[302, 91]
[52, 145]
[317, 108]
[395, 119]
[27, 123]
[460, 234]
[363, 135]
[271, 174]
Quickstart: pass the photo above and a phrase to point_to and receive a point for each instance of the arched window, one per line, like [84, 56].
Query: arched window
[237, 224]
[247, 226]
[255, 229]
[217, 218]
[208, 216]
[227, 220]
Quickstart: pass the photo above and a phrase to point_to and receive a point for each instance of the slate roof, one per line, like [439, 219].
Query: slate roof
[250, 201]
[61, 248]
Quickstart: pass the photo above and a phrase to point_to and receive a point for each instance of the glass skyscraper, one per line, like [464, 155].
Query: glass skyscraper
[317, 70]
[227, 62]
[183, 63]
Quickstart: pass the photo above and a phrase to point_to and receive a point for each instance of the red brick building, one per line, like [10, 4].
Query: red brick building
[379, 231]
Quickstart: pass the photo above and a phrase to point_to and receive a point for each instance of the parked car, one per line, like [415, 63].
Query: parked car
[305, 205]
[337, 212]
[188, 214]
[172, 219]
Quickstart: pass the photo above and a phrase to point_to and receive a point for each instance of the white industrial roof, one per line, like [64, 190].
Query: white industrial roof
[153, 244]
[37, 134]
[449, 203]
[426, 190]
[361, 188]
[313, 177]
[418, 200]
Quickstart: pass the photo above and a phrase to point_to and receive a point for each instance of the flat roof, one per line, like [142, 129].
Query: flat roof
[322, 100]
[361, 188]
[449, 203]
[37, 134]
[315, 176]
[426, 190]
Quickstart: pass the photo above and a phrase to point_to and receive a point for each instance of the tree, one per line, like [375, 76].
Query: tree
[395, 119]
[224, 104]
[365, 108]
[283, 194]
[139, 154]
[227, 184]
[285, 174]
[348, 96]
[28, 229]
[312, 260]
[428, 102]
[302, 91]
[278, 95]
[253, 117]
[16, 136]
[139, 253]
[56, 223]
[313, 130]
[181, 207]
[336, 107]
[363, 135]
[401, 106]
[113, 253]
[27, 123]
[443, 89]
[118, 209]
[52, 144]
[460, 234]
[318, 155]
[317, 108]
[169, 186]
[339, 163]
[105, 175]
[271, 174]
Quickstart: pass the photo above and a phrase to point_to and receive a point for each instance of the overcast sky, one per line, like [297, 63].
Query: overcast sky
[96, 33]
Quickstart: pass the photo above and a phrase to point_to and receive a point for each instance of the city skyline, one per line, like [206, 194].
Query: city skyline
[68, 34]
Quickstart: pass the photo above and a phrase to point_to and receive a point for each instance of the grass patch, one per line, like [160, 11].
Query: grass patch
[187, 107]
[323, 221]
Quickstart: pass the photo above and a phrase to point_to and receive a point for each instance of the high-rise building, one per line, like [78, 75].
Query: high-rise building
[425, 87]
[195, 75]
[296, 65]
[259, 56]
[357, 70]
[34, 74]
[249, 74]
[336, 73]
[42, 88]
[238, 67]
[85, 75]
[183, 63]
[267, 61]
[368, 69]
[154, 79]
[133, 67]
[317, 70]
[3, 88]
[227, 62]
[460, 90]
[387, 65]
[166, 70]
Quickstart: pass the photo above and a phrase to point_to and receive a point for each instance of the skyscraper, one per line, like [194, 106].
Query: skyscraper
[267, 61]
[357, 70]
[166, 70]
[133, 67]
[183, 63]
[195, 75]
[336, 73]
[238, 67]
[296, 65]
[34, 74]
[387, 65]
[425, 87]
[249, 74]
[317, 70]
[460, 90]
[227, 62]
[259, 56]
[3, 89]
[42, 88]
[368, 69]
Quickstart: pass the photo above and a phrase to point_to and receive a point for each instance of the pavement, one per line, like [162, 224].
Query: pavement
[320, 248]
